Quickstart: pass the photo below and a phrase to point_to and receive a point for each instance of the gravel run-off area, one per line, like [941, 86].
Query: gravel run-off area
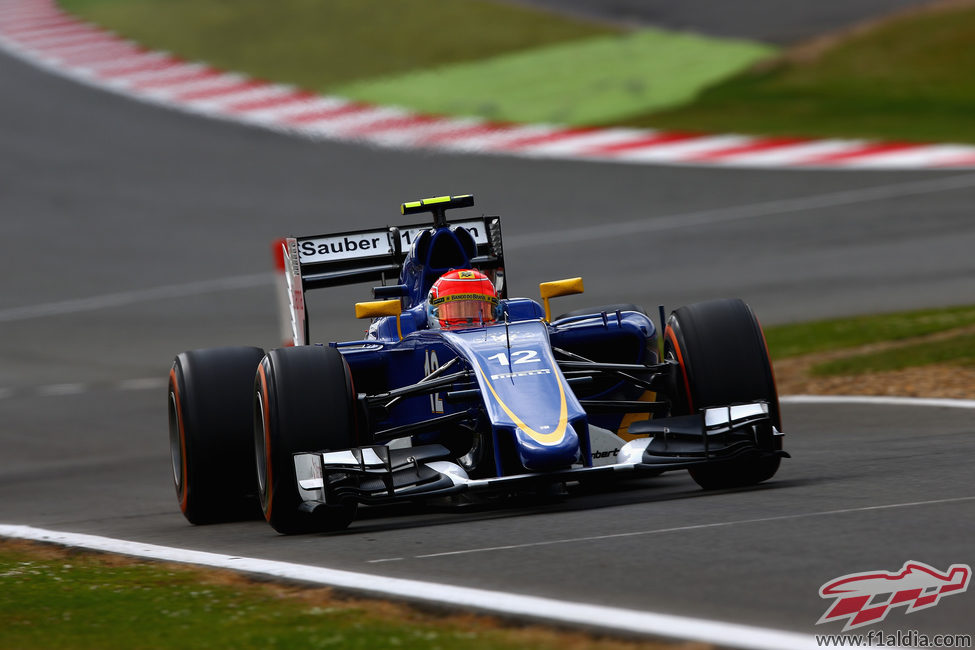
[793, 377]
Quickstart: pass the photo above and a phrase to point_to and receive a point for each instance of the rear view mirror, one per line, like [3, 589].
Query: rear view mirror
[378, 308]
[558, 288]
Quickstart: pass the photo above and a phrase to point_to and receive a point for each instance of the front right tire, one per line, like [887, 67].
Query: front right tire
[723, 359]
[303, 402]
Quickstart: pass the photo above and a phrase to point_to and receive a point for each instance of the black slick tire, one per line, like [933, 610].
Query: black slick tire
[303, 402]
[723, 359]
[210, 435]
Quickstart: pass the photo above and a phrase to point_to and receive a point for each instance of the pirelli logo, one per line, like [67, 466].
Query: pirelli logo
[522, 373]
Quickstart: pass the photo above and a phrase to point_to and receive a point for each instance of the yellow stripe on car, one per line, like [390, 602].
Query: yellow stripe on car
[544, 438]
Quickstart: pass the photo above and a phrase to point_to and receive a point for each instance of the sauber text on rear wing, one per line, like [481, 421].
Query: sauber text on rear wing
[360, 256]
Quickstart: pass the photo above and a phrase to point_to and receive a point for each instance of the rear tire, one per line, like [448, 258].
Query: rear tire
[210, 433]
[723, 360]
[303, 401]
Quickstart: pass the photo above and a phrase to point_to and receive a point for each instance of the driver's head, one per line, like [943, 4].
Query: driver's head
[462, 299]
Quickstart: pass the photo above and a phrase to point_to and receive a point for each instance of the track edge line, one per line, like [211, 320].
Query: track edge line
[586, 616]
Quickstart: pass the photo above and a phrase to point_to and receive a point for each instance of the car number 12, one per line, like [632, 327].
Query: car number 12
[519, 356]
[431, 363]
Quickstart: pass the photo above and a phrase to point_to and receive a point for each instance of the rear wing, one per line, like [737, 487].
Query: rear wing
[360, 256]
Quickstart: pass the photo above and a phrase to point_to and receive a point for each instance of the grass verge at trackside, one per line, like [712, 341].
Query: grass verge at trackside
[318, 44]
[56, 599]
[906, 79]
[956, 350]
[578, 83]
[909, 339]
[437, 56]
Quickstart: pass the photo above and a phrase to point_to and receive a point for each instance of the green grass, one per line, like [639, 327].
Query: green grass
[909, 79]
[436, 56]
[806, 338]
[582, 82]
[957, 347]
[318, 44]
[912, 79]
[54, 599]
[957, 350]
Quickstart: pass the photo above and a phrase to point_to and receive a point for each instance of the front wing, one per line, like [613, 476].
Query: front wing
[380, 474]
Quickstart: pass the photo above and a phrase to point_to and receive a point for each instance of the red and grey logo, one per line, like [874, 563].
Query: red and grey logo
[866, 598]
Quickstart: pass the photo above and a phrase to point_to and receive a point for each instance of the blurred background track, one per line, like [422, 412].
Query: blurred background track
[782, 22]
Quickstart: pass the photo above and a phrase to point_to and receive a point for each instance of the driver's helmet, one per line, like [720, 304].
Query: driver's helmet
[463, 298]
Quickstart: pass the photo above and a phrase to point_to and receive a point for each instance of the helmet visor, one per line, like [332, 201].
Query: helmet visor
[466, 309]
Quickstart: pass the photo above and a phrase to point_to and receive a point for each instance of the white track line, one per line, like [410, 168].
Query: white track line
[879, 400]
[67, 390]
[145, 383]
[586, 615]
[528, 240]
[737, 213]
[676, 529]
[140, 295]
[609, 619]
[59, 390]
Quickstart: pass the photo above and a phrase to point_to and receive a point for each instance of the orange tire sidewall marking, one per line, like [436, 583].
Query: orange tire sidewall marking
[771, 370]
[268, 478]
[683, 368]
[184, 489]
[355, 405]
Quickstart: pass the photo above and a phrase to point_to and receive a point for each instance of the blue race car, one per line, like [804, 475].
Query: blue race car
[458, 388]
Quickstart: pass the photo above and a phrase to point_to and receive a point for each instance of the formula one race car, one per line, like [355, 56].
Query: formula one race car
[458, 388]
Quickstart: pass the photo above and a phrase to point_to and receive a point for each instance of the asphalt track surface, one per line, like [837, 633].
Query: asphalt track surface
[782, 22]
[130, 233]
